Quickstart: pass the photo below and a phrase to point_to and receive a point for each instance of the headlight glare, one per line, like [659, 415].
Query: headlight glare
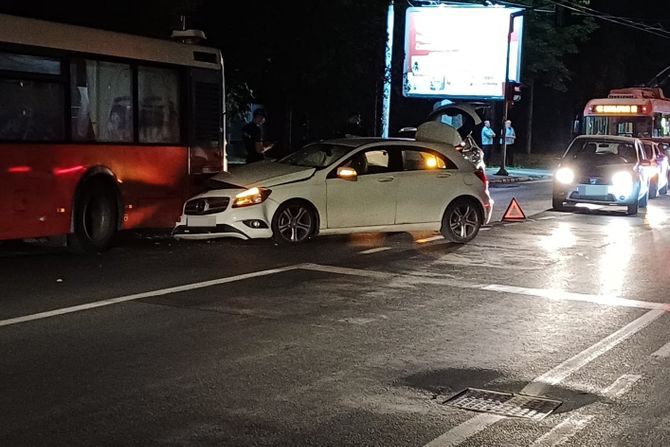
[622, 179]
[252, 196]
[565, 176]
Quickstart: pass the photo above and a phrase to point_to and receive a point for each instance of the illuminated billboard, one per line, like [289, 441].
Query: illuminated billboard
[461, 51]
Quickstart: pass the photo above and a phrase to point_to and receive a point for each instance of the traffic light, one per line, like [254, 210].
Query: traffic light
[513, 91]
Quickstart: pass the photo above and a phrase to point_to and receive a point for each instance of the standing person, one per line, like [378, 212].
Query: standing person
[252, 136]
[487, 141]
[510, 137]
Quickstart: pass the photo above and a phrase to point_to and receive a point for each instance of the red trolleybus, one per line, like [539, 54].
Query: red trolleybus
[633, 112]
[102, 131]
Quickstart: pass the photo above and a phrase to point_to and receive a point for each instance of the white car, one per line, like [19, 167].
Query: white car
[345, 186]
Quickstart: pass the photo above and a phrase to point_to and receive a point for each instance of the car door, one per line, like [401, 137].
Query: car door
[370, 199]
[428, 181]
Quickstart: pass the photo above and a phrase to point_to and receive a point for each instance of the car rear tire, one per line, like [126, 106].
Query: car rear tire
[95, 219]
[294, 222]
[461, 221]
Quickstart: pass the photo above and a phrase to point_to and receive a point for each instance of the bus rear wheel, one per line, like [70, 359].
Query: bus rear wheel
[95, 219]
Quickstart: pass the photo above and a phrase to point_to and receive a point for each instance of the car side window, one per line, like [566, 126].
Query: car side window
[423, 160]
[377, 161]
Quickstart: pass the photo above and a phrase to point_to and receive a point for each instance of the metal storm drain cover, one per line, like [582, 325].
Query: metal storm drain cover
[505, 404]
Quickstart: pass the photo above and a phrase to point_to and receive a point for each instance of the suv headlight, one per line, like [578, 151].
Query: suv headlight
[252, 196]
[565, 176]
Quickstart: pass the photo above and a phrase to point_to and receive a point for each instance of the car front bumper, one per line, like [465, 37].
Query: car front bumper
[250, 222]
[595, 194]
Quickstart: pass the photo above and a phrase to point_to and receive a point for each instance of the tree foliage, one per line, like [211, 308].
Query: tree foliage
[547, 46]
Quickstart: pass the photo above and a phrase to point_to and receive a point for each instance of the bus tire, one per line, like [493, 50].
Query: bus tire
[94, 218]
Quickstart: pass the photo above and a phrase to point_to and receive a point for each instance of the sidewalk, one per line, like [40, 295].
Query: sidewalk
[516, 175]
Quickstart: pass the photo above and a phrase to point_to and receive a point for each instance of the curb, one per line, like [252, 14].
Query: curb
[504, 180]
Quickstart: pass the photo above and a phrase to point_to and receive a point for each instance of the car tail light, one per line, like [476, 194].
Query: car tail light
[481, 175]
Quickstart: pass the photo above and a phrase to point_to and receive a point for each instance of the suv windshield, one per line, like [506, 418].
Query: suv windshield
[607, 151]
[316, 155]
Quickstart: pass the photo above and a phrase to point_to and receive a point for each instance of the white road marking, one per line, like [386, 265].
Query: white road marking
[621, 385]
[563, 431]
[466, 430]
[139, 296]
[462, 432]
[373, 250]
[347, 271]
[562, 295]
[662, 353]
[429, 239]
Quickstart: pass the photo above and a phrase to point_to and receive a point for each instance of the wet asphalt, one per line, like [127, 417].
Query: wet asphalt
[354, 340]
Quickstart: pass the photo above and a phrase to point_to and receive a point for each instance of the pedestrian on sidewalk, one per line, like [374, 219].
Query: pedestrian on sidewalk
[510, 137]
[252, 136]
[487, 141]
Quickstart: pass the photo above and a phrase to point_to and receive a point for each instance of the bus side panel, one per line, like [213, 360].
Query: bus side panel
[39, 184]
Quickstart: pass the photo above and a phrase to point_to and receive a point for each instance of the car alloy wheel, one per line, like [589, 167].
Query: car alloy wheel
[461, 222]
[294, 223]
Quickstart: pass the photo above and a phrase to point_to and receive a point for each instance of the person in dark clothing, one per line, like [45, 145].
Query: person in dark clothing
[252, 136]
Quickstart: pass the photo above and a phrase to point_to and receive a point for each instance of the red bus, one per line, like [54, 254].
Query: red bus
[634, 112]
[102, 131]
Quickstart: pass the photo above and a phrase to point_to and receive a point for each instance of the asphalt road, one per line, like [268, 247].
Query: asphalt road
[346, 340]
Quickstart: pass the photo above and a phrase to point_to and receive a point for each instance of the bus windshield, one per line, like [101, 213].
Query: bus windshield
[624, 126]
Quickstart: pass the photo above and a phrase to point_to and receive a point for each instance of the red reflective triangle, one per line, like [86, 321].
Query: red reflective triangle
[514, 211]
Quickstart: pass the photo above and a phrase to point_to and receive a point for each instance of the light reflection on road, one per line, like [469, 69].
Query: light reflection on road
[616, 255]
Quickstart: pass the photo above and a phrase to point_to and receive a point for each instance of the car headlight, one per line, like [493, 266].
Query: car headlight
[622, 179]
[252, 196]
[565, 175]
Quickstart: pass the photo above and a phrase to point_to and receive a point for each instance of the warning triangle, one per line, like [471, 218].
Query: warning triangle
[514, 212]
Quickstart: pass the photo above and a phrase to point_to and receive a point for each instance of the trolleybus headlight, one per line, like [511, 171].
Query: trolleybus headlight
[565, 176]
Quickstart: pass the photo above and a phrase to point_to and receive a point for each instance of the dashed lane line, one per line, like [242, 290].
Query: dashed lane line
[621, 385]
[373, 250]
[662, 353]
[471, 427]
[563, 431]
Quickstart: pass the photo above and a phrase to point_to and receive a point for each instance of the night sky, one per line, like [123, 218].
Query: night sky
[314, 63]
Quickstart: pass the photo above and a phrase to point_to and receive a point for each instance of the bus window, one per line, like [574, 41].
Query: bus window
[102, 108]
[29, 64]
[596, 125]
[660, 126]
[159, 114]
[31, 110]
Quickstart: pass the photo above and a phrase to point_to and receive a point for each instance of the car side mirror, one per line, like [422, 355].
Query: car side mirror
[346, 173]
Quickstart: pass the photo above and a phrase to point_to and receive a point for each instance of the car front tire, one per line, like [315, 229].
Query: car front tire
[294, 222]
[461, 221]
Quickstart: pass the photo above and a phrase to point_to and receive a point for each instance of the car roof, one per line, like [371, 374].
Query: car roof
[612, 138]
[360, 141]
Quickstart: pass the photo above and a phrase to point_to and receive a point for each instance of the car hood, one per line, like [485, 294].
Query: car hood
[262, 173]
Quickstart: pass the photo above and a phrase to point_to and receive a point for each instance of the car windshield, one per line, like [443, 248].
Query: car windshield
[604, 151]
[318, 155]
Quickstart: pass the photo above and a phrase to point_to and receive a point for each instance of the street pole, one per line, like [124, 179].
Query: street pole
[386, 92]
[508, 96]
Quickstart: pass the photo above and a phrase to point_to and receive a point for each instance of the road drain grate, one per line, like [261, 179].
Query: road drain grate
[505, 404]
